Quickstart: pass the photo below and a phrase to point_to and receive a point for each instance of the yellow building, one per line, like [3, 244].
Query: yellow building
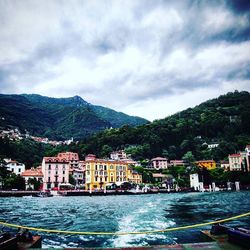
[208, 164]
[100, 172]
[134, 176]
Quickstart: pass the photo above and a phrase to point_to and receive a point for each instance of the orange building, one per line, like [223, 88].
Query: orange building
[208, 164]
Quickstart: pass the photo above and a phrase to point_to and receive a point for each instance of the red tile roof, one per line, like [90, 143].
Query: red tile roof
[33, 172]
[55, 160]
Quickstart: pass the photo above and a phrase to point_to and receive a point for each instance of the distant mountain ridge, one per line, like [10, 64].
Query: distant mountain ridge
[60, 118]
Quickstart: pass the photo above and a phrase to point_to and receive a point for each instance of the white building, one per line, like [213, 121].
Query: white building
[194, 181]
[159, 163]
[235, 162]
[119, 155]
[225, 165]
[15, 167]
[55, 172]
[214, 145]
[248, 157]
[33, 173]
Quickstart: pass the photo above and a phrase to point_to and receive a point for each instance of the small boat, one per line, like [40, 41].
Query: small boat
[43, 195]
[23, 240]
[239, 236]
[7, 241]
[219, 229]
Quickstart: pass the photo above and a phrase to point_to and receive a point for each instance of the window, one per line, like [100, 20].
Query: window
[63, 172]
[111, 167]
[48, 179]
[19, 170]
[105, 167]
[49, 167]
[63, 179]
[96, 178]
[56, 166]
[96, 167]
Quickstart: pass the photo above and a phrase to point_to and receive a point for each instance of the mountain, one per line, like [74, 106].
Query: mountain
[59, 118]
[224, 120]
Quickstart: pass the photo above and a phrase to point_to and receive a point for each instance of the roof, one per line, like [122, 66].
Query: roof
[224, 162]
[34, 172]
[55, 160]
[159, 159]
[204, 161]
[234, 155]
[157, 175]
[106, 161]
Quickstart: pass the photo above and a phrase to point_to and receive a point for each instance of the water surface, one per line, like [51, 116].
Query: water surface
[124, 214]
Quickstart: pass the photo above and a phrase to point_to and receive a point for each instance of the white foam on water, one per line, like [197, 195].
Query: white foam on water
[143, 219]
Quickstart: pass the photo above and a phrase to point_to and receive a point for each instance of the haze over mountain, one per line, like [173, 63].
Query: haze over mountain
[59, 118]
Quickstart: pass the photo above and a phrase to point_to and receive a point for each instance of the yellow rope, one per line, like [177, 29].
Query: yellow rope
[124, 233]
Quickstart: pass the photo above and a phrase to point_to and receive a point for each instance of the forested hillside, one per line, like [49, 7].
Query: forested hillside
[59, 118]
[224, 120]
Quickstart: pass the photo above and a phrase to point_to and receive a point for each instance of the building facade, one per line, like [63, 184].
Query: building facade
[55, 172]
[33, 173]
[119, 155]
[225, 165]
[72, 158]
[134, 176]
[100, 172]
[159, 163]
[235, 161]
[248, 157]
[194, 181]
[15, 167]
[208, 164]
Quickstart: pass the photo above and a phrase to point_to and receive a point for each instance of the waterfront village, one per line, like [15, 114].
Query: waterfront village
[67, 172]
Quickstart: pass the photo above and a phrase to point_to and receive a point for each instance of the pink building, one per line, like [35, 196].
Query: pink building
[159, 163]
[55, 171]
[248, 157]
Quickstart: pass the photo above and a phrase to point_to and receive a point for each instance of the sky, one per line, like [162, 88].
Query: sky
[145, 58]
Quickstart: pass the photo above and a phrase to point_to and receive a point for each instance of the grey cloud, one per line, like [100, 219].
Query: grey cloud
[116, 53]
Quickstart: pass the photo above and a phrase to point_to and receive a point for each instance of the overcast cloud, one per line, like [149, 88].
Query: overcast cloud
[145, 58]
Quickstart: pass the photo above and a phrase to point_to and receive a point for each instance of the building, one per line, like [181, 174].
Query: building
[14, 166]
[248, 157]
[225, 165]
[119, 155]
[71, 157]
[55, 172]
[194, 181]
[33, 173]
[175, 163]
[235, 161]
[158, 177]
[79, 174]
[208, 164]
[134, 176]
[214, 145]
[100, 172]
[159, 163]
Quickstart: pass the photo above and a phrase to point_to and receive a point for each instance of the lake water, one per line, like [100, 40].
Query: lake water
[124, 214]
